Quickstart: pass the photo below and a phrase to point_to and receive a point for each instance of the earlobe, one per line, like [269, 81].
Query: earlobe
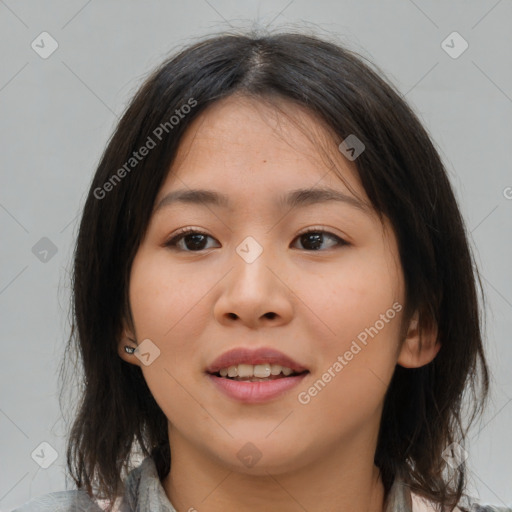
[126, 348]
[420, 346]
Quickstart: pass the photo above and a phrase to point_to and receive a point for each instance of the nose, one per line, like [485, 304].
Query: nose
[255, 293]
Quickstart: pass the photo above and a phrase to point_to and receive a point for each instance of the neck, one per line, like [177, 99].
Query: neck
[340, 479]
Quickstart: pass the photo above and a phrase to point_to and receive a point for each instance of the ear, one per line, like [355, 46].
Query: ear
[415, 352]
[127, 340]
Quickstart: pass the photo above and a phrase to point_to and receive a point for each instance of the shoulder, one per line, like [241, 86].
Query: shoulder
[61, 501]
[489, 508]
[421, 505]
[142, 488]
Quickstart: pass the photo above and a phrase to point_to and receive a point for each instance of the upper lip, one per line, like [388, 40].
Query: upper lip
[262, 355]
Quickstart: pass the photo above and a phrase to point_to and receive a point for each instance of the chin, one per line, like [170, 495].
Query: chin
[259, 456]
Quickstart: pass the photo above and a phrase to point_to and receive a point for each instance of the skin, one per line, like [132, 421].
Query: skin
[196, 305]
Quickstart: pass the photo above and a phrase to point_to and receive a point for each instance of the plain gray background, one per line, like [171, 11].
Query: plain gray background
[56, 115]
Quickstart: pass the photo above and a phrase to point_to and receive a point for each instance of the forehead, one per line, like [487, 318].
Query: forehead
[245, 144]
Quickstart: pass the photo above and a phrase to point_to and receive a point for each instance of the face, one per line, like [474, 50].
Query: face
[317, 282]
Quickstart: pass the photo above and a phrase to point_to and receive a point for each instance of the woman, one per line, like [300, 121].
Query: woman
[274, 299]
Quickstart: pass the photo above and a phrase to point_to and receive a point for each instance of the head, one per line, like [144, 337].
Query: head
[374, 295]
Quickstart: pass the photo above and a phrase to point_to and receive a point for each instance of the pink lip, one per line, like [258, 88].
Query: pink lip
[256, 392]
[258, 356]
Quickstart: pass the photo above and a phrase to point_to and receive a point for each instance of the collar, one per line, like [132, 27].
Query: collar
[145, 493]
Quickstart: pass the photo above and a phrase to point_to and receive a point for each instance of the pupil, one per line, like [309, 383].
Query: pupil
[197, 243]
[316, 237]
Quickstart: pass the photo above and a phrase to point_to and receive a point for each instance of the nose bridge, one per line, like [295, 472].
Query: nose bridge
[252, 258]
[253, 291]
[256, 249]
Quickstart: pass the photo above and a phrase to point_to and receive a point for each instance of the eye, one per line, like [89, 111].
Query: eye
[194, 240]
[315, 238]
[191, 237]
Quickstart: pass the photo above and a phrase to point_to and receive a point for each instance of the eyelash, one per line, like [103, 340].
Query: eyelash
[172, 243]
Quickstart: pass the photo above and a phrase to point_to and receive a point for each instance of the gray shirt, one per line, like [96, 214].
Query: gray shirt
[145, 493]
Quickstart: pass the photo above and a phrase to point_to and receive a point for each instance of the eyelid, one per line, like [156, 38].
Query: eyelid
[323, 229]
[342, 240]
[185, 231]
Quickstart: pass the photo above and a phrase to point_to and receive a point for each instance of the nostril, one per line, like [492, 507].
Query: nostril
[270, 315]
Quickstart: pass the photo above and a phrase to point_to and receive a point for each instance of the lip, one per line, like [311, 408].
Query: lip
[261, 355]
[256, 392]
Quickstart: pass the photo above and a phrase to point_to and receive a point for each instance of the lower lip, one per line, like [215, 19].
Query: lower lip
[256, 392]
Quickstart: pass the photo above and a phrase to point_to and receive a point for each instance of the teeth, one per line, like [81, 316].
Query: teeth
[260, 371]
[275, 369]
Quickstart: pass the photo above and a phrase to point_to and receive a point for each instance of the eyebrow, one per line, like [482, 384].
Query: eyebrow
[295, 198]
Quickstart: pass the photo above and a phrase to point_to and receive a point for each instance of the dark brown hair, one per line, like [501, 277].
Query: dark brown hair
[403, 177]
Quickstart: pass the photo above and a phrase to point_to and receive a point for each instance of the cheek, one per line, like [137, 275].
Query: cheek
[351, 296]
[353, 373]
[166, 307]
[166, 302]
[360, 308]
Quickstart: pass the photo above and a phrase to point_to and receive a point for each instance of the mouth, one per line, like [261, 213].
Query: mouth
[254, 357]
[255, 376]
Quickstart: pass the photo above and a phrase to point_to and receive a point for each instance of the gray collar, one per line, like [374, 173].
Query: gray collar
[145, 493]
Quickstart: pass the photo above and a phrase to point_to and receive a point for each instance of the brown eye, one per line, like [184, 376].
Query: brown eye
[313, 239]
[193, 240]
